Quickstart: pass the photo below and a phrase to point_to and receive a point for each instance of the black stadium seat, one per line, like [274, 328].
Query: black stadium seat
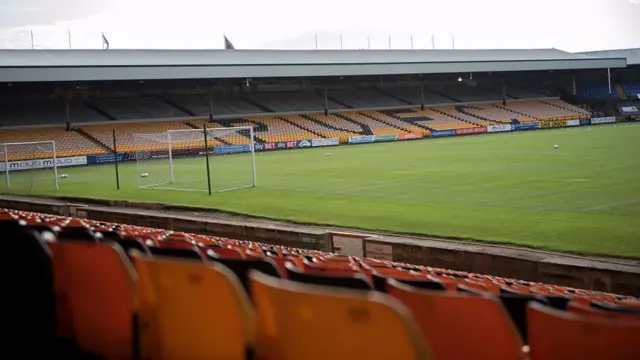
[29, 313]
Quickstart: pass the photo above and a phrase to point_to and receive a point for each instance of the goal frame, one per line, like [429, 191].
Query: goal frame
[54, 158]
[204, 131]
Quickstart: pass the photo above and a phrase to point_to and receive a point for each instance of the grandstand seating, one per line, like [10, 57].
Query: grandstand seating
[176, 305]
[198, 104]
[304, 127]
[131, 108]
[293, 101]
[461, 92]
[68, 143]
[125, 135]
[362, 99]
[279, 129]
[378, 127]
[631, 90]
[44, 111]
[318, 127]
[388, 120]
[546, 110]
[518, 92]
[434, 120]
[494, 112]
[596, 92]
[461, 113]
[413, 95]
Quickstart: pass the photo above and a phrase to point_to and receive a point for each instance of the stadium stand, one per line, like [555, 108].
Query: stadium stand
[131, 108]
[68, 143]
[44, 111]
[462, 92]
[311, 124]
[293, 101]
[362, 99]
[279, 129]
[631, 90]
[395, 122]
[490, 112]
[125, 134]
[303, 127]
[127, 292]
[546, 110]
[413, 95]
[460, 113]
[198, 104]
[378, 127]
[596, 92]
[434, 119]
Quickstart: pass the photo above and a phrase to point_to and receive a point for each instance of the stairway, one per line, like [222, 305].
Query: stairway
[365, 127]
[108, 148]
[320, 136]
[323, 124]
[621, 93]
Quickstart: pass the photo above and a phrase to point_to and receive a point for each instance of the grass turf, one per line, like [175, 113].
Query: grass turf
[509, 188]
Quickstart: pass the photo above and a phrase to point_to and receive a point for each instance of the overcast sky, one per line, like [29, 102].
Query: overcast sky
[572, 25]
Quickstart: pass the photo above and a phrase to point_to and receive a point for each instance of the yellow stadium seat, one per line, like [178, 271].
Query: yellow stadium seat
[198, 311]
[293, 319]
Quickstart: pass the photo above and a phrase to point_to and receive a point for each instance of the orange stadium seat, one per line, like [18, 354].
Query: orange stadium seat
[554, 334]
[292, 317]
[168, 306]
[446, 325]
[100, 288]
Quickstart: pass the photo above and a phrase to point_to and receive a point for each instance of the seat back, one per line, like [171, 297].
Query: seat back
[241, 268]
[292, 317]
[555, 334]
[183, 253]
[460, 326]
[357, 281]
[29, 312]
[100, 288]
[192, 310]
[592, 312]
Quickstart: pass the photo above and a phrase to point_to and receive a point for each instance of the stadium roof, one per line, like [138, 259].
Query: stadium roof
[632, 55]
[97, 65]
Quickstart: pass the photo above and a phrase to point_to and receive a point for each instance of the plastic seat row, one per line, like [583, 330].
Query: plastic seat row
[176, 295]
[68, 143]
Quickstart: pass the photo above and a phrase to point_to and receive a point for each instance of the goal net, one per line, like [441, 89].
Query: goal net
[28, 167]
[180, 159]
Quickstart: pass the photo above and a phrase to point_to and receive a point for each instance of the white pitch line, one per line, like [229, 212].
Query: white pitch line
[594, 208]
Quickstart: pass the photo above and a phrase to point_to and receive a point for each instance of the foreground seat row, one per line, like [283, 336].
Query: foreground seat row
[75, 291]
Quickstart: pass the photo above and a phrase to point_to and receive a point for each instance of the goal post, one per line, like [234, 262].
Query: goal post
[172, 160]
[29, 167]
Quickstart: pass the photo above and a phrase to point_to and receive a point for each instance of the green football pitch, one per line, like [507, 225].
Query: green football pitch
[510, 188]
